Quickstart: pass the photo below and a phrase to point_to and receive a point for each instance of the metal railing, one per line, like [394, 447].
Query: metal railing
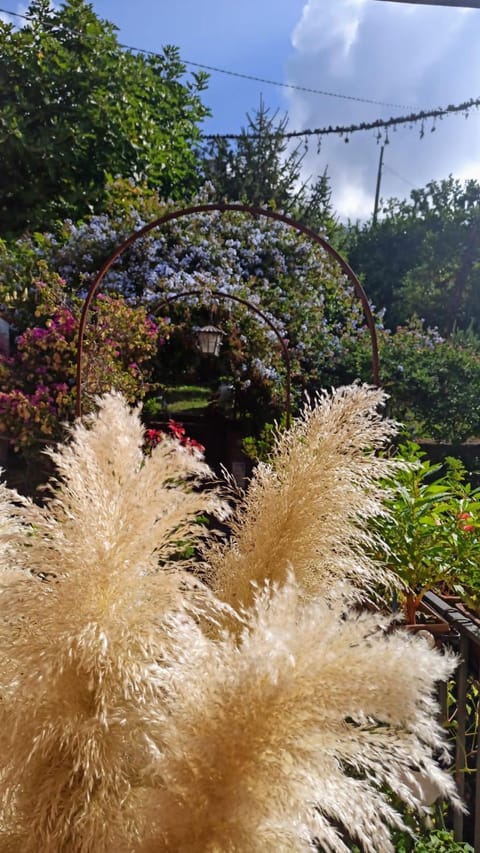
[460, 711]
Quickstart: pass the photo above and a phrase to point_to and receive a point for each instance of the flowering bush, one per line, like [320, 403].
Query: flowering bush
[38, 392]
[298, 286]
[295, 283]
[153, 437]
[434, 383]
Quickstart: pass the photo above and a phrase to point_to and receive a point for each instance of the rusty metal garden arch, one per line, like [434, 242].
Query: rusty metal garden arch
[222, 208]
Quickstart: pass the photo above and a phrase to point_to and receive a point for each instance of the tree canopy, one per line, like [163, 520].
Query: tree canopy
[262, 168]
[75, 107]
[423, 256]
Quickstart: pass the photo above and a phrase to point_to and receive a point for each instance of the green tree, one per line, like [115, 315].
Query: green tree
[433, 382]
[261, 167]
[75, 107]
[423, 257]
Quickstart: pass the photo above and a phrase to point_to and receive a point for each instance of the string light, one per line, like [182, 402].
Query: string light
[347, 130]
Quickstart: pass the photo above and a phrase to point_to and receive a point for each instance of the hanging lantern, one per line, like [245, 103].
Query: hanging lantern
[210, 340]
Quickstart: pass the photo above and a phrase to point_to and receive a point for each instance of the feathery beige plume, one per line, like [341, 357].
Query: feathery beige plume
[124, 726]
[307, 510]
[280, 738]
[80, 654]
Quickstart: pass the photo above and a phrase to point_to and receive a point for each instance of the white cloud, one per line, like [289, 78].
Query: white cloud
[354, 202]
[417, 56]
[335, 29]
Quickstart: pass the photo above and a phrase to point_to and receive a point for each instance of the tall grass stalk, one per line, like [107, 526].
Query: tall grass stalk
[136, 716]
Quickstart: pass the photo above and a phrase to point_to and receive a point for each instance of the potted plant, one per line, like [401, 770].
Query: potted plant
[430, 534]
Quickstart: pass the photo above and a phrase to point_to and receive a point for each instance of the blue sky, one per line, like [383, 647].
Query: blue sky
[252, 36]
[413, 55]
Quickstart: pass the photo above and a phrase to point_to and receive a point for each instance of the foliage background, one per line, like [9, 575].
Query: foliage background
[84, 169]
[77, 107]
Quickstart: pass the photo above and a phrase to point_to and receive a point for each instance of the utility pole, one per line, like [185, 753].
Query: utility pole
[379, 181]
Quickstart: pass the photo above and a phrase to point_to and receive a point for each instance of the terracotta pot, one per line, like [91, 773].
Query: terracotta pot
[453, 600]
[429, 621]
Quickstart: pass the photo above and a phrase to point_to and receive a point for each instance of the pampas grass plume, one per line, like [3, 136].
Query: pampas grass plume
[80, 655]
[307, 510]
[142, 712]
[290, 733]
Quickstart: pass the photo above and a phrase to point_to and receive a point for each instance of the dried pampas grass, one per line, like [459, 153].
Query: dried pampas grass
[126, 727]
[81, 655]
[290, 733]
[307, 510]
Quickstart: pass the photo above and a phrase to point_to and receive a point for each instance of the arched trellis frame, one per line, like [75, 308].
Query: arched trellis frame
[224, 208]
[218, 294]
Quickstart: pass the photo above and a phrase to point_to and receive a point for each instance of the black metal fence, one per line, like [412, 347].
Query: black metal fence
[460, 710]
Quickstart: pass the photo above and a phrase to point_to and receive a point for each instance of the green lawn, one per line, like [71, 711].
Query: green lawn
[187, 399]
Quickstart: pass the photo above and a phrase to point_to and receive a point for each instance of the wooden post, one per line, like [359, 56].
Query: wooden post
[377, 189]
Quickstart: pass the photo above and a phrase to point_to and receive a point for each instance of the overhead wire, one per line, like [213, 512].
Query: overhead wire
[242, 75]
[339, 130]
[398, 175]
[297, 87]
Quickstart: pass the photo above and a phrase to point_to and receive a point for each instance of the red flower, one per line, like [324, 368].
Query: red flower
[469, 528]
[193, 444]
[176, 429]
[153, 437]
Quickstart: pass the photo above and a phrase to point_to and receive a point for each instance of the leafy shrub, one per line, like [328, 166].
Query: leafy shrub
[432, 533]
[430, 841]
[433, 382]
[440, 841]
